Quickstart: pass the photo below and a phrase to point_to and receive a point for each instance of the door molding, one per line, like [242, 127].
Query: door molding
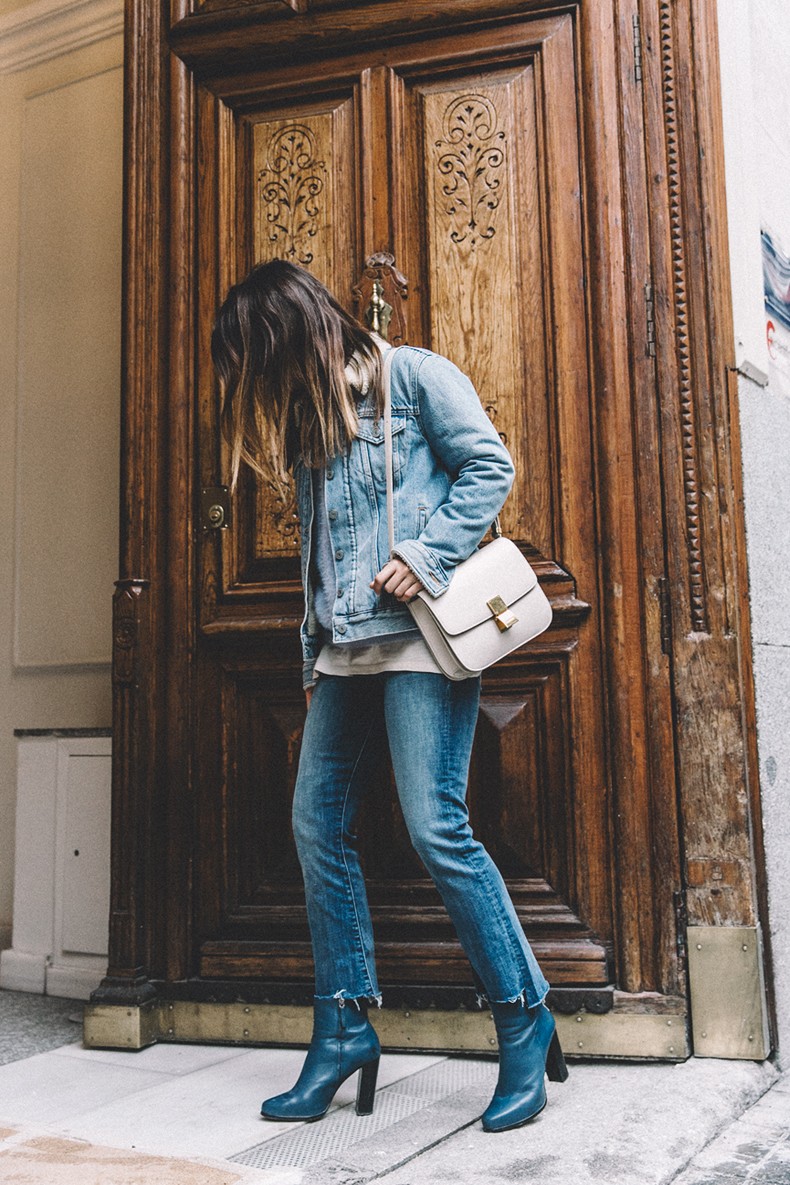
[47, 28]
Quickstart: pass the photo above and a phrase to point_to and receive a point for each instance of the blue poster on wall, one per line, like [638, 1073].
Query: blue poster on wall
[776, 284]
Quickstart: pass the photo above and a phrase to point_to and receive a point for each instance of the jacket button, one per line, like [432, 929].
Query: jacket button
[341, 629]
[339, 553]
[340, 592]
[333, 515]
[330, 473]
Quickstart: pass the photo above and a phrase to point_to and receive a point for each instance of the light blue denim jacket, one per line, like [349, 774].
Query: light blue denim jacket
[451, 473]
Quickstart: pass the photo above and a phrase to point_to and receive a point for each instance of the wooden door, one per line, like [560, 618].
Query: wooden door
[461, 156]
[531, 171]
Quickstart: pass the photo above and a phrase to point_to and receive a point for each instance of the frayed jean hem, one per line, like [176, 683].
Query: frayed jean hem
[521, 998]
[343, 995]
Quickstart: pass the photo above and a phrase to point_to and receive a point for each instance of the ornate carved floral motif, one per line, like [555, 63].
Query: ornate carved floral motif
[289, 185]
[471, 155]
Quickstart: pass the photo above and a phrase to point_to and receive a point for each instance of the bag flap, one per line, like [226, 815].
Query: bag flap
[496, 570]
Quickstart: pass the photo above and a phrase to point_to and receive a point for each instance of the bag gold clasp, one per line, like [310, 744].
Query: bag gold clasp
[504, 617]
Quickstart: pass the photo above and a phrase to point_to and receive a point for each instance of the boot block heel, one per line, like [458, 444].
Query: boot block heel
[555, 1061]
[366, 1087]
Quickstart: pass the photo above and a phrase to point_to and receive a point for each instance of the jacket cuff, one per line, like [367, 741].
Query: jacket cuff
[425, 564]
[309, 677]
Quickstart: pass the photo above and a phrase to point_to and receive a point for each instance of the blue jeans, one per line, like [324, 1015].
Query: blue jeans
[430, 723]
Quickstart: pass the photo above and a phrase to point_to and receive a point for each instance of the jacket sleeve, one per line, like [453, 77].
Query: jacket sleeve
[468, 446]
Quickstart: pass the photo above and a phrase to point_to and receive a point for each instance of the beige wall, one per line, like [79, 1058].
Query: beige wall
[60, 239]
[13, 5]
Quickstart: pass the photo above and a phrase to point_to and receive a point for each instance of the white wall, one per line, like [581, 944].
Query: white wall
[60, 241]
[755, 49]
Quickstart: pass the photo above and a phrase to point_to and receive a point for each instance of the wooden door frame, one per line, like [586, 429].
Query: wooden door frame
[670, 117]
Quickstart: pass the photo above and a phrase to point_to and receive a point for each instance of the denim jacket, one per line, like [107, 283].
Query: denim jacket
[451, 475]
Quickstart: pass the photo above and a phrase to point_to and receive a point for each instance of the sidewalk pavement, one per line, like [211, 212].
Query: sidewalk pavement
[754, 1150]
[188, 1115]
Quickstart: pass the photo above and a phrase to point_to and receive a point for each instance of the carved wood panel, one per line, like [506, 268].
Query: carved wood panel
[303, 206]
[518, 808]
[476, 198]
[496, 189]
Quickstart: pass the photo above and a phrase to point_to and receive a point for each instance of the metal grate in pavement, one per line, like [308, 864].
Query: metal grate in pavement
[311, 1143]
[445, 1078]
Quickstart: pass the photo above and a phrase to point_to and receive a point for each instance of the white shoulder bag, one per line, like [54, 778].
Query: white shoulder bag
[494, 603]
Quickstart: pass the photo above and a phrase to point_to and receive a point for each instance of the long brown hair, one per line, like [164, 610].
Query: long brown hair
[280, 346]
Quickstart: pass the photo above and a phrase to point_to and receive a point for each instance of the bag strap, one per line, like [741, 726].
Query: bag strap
[386, 382]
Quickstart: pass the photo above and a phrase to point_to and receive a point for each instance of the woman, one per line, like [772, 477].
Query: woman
[301, 394]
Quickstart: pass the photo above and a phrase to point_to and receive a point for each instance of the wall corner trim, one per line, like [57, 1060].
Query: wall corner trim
[47, 28]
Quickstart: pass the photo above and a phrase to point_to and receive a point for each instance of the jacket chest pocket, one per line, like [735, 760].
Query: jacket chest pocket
[370, 436]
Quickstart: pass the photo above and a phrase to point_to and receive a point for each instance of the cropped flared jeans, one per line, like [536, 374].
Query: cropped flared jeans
[430, 724]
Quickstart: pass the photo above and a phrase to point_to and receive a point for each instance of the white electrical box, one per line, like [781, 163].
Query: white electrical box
[62, 863]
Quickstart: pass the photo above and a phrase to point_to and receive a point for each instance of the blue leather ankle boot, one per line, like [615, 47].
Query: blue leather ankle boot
[528, 1048]
[343, 1042]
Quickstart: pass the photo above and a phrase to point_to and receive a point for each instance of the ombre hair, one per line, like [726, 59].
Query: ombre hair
[280, 346]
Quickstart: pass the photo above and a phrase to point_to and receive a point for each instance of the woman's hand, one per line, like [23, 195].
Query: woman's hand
[397, 578]
[308, 694]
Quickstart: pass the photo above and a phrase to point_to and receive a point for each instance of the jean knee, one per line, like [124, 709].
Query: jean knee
[437, 841]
